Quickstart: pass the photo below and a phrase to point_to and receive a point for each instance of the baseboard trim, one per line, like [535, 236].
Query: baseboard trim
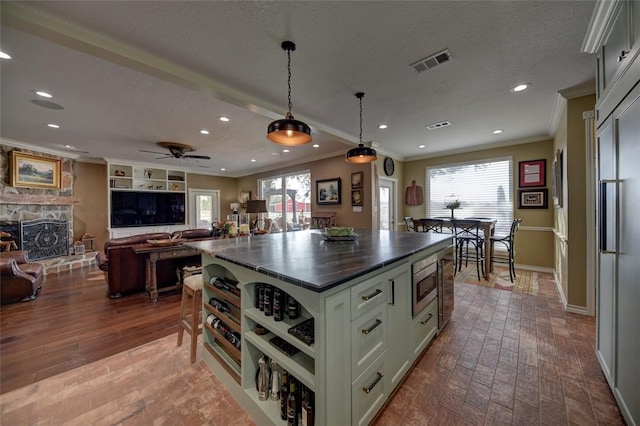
[581, 310]
[574, 309]
[536, 269]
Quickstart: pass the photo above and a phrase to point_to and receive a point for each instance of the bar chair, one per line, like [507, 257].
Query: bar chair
[191, 321]
[468, 233]
[429, 225]
[509, 242]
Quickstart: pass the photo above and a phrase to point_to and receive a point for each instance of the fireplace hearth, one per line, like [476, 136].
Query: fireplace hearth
[45, 238]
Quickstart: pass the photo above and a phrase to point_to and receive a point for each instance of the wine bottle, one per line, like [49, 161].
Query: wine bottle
[293, 308]
[261, 298]
[268, 306]
[292, 404]
[278, 304]
[256, 296]
[284, 393]
[307, 408]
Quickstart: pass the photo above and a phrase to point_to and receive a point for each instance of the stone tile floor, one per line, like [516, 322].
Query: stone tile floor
[505, 358]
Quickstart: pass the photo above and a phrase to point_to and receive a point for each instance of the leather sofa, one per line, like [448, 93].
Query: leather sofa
[20, 280]
[125, 270]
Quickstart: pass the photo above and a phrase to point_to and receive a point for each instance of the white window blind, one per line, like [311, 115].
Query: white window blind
[483, 188]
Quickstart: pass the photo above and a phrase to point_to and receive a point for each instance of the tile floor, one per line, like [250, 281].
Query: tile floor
[505, 358]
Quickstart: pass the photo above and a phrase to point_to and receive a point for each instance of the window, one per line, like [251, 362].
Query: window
[483, 188]
[288, 199]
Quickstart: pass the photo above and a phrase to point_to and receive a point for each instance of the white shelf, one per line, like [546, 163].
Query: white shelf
[300, 365]
[146, 178]
[281, 328]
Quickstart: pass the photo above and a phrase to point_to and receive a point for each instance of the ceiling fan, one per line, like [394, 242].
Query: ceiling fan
[177, 150]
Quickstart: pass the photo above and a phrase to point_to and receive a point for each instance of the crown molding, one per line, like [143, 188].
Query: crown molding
[599, 20]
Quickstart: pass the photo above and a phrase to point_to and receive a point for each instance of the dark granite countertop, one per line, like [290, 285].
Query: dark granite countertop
[303, 258]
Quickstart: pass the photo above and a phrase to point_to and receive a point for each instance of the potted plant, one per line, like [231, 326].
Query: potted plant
[452, 205]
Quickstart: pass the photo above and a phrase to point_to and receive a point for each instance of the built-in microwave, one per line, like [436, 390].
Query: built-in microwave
[424, 283]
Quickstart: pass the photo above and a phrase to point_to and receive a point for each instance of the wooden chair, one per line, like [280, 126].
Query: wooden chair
[429, 225]
[191, 312]
[468, 233]
[508, 242]
[408, 221]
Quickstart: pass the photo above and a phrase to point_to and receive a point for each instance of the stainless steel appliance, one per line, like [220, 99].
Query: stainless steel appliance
[424, 283]
[446, 270]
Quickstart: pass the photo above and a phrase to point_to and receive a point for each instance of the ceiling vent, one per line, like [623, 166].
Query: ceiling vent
[439, 125]
[432, 61]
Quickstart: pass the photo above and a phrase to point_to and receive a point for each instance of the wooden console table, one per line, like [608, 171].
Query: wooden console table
[155, 253]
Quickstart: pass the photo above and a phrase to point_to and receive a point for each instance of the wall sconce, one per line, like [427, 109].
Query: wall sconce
[234, 207]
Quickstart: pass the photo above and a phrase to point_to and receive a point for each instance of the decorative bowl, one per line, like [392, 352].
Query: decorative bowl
[166, 242]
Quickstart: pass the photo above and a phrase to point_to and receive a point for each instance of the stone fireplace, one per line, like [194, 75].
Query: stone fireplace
[45, 238]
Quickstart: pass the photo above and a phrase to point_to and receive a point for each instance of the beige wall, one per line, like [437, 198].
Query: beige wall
[91, 215]
[571, 219]
[326, 169]
[535, 238]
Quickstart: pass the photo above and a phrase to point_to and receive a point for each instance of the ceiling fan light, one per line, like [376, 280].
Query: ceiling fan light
[361, 154]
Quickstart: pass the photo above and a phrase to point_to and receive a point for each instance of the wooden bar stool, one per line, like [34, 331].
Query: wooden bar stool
[191, 317]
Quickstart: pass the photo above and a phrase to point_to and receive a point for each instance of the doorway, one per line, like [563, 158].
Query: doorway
[387, 209]
[204, 207]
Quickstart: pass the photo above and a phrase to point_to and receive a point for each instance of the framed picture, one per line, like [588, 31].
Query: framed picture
[356, 197]
[532, 173]
[31, 171]
[532, 198]
[357, 179]
[556, 177]
[328, 191]
[244, 197]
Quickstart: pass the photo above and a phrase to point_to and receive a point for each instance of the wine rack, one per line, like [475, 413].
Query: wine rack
[225, 352]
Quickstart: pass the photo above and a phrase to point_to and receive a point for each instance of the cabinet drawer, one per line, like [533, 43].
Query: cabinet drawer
[368, 339]
[369, 393]
[367, 295]
[424, 327]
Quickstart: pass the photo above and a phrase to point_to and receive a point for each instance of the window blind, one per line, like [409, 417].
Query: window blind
[483, 188]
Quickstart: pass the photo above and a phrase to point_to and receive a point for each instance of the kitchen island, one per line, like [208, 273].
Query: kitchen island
[358, 294]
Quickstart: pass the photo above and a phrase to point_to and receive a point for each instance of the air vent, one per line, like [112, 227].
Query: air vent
[439, 125]
[432, 61]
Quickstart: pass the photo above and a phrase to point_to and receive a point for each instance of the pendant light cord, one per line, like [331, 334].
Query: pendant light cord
[289, 78]
[361, 118]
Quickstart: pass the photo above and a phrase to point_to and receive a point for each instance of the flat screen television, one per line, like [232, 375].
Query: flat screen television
[140, 208]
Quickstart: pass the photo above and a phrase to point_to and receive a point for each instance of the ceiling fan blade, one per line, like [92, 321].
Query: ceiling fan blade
[200, 157]
[154, 152]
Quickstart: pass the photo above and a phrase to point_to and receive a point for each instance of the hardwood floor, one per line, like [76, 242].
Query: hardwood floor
[73, 323]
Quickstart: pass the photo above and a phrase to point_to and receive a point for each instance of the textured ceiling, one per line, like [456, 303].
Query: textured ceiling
[130, 74]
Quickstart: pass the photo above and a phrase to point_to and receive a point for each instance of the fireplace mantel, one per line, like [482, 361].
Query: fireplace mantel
[48, 200]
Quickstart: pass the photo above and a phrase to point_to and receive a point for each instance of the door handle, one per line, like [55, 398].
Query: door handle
[603, 217]
[393, 292]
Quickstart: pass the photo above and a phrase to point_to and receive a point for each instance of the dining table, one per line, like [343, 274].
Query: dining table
[488, 227]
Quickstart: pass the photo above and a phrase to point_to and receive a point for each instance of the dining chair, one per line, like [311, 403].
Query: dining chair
[430, 225]
[408, 221]
[469, 241]
[509, 243]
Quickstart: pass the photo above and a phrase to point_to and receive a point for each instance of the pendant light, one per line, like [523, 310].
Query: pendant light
[289, 131]
[361, 154]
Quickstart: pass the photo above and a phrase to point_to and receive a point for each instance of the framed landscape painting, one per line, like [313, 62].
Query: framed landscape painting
[328, 191]
[30, 171]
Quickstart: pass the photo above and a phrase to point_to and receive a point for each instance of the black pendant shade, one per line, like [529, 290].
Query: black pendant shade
[361, 154]
[289, 131]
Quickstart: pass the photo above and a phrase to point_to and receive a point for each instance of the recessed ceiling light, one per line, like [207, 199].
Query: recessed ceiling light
[382, 126]
[69, 147]
[44, 94]
[315, 145]
[286, 150]
[422, 146]
[253, 160]
[223, 118]
[222, 169]
[53, 126]
[497, 131]
[4, 55]
[520, 87]
[204, 131]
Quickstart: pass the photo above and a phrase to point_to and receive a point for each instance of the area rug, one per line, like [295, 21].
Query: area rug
[525, 282]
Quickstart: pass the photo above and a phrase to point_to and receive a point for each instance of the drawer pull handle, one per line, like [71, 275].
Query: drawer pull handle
[368, 389]
[370, 329]
[427, 320]
[372, 295]
[393, 292]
